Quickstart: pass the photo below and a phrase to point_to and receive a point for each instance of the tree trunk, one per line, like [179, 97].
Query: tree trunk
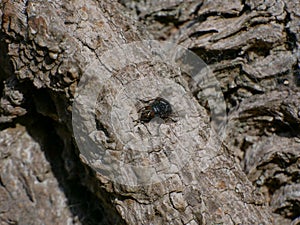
[77, 76]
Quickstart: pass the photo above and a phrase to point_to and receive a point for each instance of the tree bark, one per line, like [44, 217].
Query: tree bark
[59, 54]
[253, 49]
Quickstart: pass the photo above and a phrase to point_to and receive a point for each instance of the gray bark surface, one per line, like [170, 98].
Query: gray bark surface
[252, 48]
[27, 183]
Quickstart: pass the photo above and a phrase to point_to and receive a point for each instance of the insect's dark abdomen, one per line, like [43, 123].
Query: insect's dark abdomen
[158, 108]
[161, 107]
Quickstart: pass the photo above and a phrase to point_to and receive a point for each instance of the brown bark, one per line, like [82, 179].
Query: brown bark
[252, 48]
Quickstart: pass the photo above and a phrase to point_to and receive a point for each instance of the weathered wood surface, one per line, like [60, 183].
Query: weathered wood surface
[252, 48]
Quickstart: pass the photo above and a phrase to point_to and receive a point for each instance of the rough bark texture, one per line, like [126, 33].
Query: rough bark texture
[27, 183]
[252, 48]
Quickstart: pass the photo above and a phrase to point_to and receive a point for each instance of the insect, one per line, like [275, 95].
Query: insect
[159, 107]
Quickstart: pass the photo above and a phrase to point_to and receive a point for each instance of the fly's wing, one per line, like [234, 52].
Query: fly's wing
[143, 109]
